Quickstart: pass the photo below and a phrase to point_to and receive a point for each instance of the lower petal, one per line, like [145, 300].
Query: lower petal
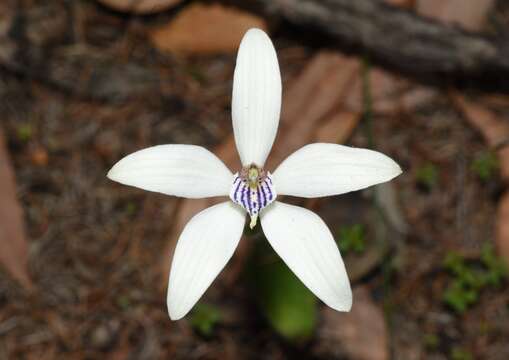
[203, 249]
[307, 246]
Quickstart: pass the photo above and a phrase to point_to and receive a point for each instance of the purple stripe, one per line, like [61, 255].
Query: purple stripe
[235, 194]
[261, 199]
[264, 194]
[270, 192]
[244, 198]
[256, 204]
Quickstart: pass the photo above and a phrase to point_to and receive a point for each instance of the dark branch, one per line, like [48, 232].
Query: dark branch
[400, 40]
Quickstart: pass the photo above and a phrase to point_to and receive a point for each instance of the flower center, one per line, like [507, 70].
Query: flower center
[253, 189]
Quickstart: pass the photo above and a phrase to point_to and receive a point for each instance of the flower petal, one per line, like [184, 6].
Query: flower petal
[256, 98]
[181, 170]
[306, 245]
[203, 249]
[317, 170]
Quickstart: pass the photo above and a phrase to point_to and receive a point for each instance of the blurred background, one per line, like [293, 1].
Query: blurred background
[84, 261]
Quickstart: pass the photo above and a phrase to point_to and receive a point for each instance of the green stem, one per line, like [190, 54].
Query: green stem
[367, 121]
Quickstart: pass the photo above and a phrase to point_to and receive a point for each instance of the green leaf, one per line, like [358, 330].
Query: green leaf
[427, 175]
[431, 341]
[458, 353]
[485, 165]
[24, 132]
[497, 268]
[351, 238]
[205, 317]
[455, 263]
[470, 278]
[455, 296]
[289, 307]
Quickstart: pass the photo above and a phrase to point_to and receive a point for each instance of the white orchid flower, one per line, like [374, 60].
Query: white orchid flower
[298, 235]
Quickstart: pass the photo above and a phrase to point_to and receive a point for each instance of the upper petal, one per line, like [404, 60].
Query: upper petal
[182, 170]
[203, 249]
[256, 98]
[329, 169]
[306, 245]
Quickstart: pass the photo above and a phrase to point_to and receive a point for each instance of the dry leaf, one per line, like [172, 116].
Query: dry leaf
[205, 29]
[338, 127]
[140, 6]
[502, 226]
[503, 156]
[493, 129]
[389, 94]
[401, 3]
[470, 17]
[500, 101]
[39, 156]
[316, 95]
[360, 334]
[13, 244]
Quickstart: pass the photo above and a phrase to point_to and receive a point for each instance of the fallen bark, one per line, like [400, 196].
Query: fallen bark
[34, 44]
[400, 40]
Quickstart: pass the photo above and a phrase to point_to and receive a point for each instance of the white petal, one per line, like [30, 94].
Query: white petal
[306, 245]
[203, 249]
[256, 98]
[181, 170]
[329, 169]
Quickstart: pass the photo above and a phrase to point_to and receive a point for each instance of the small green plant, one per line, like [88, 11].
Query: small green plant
[460, 297]
[289, 307]
[205, 317]
[427, 175]
[458, 353]
[469, 279]
[352, 238]
[123, 302]
[24, 132]
[497, 268]
[197, 74]
[431, 341]
[485, 165]
[131, 208]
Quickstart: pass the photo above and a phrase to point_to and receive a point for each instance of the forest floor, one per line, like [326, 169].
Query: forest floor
[421, 251]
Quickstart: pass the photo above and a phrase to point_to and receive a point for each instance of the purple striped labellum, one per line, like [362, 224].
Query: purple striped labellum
[253, 189]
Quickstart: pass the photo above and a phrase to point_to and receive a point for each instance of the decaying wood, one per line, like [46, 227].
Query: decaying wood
[424, 49]
[470, 17]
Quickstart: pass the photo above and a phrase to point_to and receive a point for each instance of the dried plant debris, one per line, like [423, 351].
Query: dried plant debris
[13, 242]
[205, 29]
[82, 85]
